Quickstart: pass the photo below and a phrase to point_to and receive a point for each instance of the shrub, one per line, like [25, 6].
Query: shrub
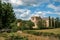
[18, 38]
[43, 34]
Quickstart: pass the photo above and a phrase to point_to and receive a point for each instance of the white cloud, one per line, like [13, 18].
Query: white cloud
[58, 13]
[27, 14]
[39, 13]
[34, 2]
[23, 13]
[27, 2]
[56, 0]
[56, 8]
[16, 2]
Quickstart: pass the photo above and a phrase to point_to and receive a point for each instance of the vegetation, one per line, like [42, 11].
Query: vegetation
[47, 32]
[55, 31]
[25, 25]
[54, 22]
[49, 21]
[8, 21]
[7, 15]
[12, 36]
[0, 14]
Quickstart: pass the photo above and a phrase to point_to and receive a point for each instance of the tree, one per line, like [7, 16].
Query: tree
[49, 21]
[39, 24]
[57, 22]
[53, 22]
[0, 14]
[29, 24]
[8, 15]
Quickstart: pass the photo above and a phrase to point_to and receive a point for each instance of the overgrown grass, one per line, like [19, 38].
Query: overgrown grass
[55, 31]
[46, 32]
[12, 36]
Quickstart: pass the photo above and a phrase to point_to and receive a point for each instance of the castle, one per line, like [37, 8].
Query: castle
[36, 19]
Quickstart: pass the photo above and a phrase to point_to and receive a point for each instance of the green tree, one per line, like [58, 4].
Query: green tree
[57, 22]
[0, 14]
[41, 24]
[8, 15]
[29, 24]
[49, 21]
[53, 22]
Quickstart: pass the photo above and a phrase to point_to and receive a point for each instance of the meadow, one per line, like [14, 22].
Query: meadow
[30, 35]
[55, 31]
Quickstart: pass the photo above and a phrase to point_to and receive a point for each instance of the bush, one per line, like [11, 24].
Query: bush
[43, 34]
[18, 38]
[45, 28]
[23, 28]
[12, 36]
[14, 29]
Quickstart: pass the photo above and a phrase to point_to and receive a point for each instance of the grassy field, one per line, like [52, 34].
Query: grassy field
[55, 31]
[3, 36]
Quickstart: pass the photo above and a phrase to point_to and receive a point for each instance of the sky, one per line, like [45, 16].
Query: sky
[25, 9]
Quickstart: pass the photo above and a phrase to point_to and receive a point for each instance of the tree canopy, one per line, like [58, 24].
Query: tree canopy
[7, 15]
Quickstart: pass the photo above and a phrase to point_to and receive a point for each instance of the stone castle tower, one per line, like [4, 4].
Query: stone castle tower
[36, 19]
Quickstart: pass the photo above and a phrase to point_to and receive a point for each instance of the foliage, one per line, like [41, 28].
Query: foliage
[57, 22]
[49, 21]
[7, 14]
[18, 38]
[29, 24]
[53, 22]
[25, 24]
[0, 14]
[12, 36]
[23, 28]
[42, 33]
[14, 28]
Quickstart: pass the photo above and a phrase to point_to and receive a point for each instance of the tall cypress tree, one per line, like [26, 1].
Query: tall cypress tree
[53, 23]
[49, 21]
[57, 22]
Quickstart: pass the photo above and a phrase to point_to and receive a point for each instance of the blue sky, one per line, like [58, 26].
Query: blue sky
[24, 9]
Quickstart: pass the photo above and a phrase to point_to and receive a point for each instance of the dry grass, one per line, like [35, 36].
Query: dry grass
[55, 31]
[2, 38]
[34, 37]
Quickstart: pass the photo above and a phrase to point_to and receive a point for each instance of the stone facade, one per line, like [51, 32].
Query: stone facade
[47, 21]
[19, 24]
[36, 19]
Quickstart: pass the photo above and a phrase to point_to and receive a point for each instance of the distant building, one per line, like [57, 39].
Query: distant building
[36, 19]
[19, 24]
[47, 21]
